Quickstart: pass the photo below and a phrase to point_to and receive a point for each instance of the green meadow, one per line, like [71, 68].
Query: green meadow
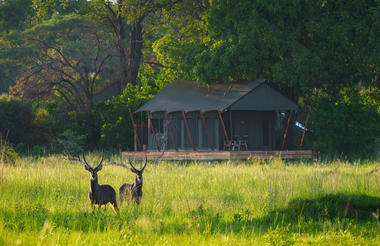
[44, 201]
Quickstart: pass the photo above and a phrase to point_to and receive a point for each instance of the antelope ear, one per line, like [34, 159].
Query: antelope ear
[132, 170]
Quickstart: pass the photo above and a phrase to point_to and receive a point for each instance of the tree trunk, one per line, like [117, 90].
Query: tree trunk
[122, 53]
[135, 51]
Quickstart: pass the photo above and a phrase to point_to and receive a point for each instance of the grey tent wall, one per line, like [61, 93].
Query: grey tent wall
[180, 132]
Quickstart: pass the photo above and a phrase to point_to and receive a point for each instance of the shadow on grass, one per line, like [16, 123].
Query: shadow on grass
[361, 208]
[305, 215]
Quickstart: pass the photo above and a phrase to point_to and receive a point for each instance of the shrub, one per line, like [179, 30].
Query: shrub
[347, 123]
[16, 119]
[114, 113]
[7, 154]
[72, 143]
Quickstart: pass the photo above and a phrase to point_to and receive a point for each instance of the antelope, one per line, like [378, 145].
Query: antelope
[133, 191]
[99, 194]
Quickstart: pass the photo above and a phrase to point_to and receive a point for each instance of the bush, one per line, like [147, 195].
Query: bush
[7, 154]
[16, 118]
[72, 143]
[347, 123]
[114, 113]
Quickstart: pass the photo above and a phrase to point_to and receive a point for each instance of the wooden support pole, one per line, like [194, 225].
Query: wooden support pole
[286, 130]
[304, 127]
[206, 130]
[154, 133]
[188, 129]
[224, 128]
[170, 130]
[135, 129]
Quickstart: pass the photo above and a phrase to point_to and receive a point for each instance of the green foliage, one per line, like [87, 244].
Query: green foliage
[185, 37]
[50, 119]
[347, 123]
[8, 68]
[279, 236]
[32, 128]
[74, 59]
[72, 143]
[299, 45]
[114, 113]
[108, 124]
[14, 15]
[16, 118]
[7, 153]
[45, 9]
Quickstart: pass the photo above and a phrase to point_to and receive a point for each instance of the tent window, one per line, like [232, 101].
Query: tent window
[158, 125]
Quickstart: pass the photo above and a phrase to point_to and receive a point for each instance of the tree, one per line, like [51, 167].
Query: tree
[183, 36]
[14, 14]
[127, 18]
[300, 45]
[68, 56]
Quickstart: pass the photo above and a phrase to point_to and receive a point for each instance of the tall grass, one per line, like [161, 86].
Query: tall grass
[44, 201]
[2, 150]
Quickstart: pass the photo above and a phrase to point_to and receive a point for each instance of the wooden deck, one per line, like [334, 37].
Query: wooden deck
[221, 155]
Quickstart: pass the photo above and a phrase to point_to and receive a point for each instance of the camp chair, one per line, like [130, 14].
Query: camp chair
[243, 143]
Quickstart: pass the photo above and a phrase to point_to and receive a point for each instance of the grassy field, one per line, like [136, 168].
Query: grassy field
[45, 202]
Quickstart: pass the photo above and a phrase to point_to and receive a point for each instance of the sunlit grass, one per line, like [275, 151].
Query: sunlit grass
[45, 201]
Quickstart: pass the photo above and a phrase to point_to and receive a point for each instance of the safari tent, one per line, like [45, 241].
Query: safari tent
[186, 116]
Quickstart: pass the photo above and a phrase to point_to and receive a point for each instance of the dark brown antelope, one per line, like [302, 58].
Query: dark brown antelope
[99, 195]
[133, 191]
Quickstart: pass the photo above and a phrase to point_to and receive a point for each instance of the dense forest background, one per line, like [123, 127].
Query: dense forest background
[71, 69]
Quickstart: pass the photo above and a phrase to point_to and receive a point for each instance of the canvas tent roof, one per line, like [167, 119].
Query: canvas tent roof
[190, 96]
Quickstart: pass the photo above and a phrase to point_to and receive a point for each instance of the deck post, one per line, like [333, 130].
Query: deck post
[205, 126]
[170, 130]
[224, 128]
[154, 133]
[188, 129]
[135, 129]
[286, 130]
[305, 126]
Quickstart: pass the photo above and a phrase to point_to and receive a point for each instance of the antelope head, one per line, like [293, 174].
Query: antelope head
[138, 172]
[93, 170]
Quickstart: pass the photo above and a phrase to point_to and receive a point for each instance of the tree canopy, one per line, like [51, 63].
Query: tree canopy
[301, 45]
[68, 55]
